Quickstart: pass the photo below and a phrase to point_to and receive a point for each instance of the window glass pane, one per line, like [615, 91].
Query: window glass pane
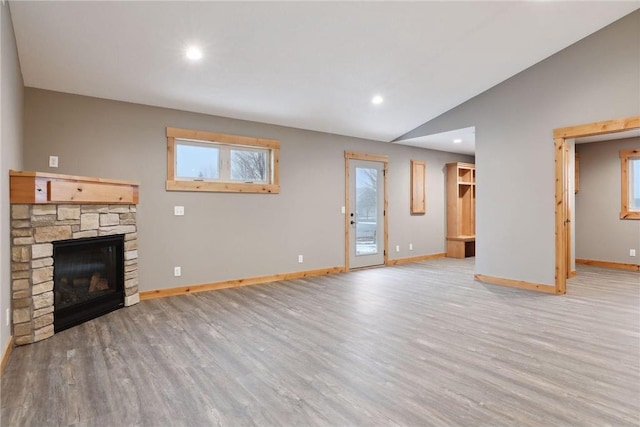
[634, 184]
[197, 161]
[249, 165]
[366, 211]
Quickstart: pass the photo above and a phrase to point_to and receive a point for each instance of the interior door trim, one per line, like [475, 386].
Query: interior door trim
[560, 137]
[352, 155]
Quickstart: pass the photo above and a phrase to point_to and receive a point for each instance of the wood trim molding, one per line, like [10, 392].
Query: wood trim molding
[183, 290]
[230, 187]
[365, 156]
[560, 217]
[598, 128]
[5, 355]
[465, 165]
[539, 287]
[625, 213]
[408, 260]
[347, 218]
[386, 211]
[572, 273]
[561, 184]
[609, 264]
[200, 135]
[171, 155]
[275, 167]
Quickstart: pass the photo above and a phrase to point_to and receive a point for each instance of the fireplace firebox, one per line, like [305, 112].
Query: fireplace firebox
[88, 276]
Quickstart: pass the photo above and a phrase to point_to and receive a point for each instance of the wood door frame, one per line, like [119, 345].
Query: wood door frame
[352, 155]
[562, 163]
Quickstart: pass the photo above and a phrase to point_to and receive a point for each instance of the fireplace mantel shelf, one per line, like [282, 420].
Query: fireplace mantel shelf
[49, 188]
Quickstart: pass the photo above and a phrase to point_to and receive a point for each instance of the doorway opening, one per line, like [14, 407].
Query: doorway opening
[564, 164]
[366, 236]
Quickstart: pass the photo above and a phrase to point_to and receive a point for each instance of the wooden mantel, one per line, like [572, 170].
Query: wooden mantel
[50, 188]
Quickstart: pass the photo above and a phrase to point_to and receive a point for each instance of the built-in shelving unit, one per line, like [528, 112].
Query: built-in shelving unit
[461, 210]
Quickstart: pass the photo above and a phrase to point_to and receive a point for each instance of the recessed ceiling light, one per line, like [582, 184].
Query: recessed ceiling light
[194, 53]
[457, 141]
[376, 100]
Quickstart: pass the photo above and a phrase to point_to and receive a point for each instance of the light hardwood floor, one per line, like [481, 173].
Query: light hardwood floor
[420, 344]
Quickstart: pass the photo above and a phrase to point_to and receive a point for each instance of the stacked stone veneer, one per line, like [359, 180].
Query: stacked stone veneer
[34, 228]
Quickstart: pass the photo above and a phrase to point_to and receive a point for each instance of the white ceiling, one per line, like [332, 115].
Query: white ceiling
[310, 65]
[445, 141]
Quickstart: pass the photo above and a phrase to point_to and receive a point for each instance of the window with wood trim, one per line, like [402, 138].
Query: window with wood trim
[208, 161]
[630, 194]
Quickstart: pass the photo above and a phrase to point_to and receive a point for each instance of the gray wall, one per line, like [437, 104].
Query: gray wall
[600, 233]
[11, 96]
[595, 79]
[228, 236]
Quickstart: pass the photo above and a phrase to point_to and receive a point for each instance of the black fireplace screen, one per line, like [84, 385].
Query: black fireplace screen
[88, 279]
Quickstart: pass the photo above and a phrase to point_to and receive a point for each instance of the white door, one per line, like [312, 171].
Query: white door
[366, 213]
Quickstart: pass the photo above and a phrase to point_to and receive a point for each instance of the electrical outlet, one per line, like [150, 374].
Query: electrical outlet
[178, 210]
[8, 317]
[177, 271]
[343, 210]
[632, 252]
[410, 246]
[53, 161]
[300, 259]
[397, 248]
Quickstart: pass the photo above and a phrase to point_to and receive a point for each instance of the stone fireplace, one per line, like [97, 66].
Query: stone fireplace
[51, 209]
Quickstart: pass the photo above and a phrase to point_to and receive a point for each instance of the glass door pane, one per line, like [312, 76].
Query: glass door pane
[366, 211]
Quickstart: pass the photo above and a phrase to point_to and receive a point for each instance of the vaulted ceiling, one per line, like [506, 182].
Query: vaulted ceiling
[310, 65]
